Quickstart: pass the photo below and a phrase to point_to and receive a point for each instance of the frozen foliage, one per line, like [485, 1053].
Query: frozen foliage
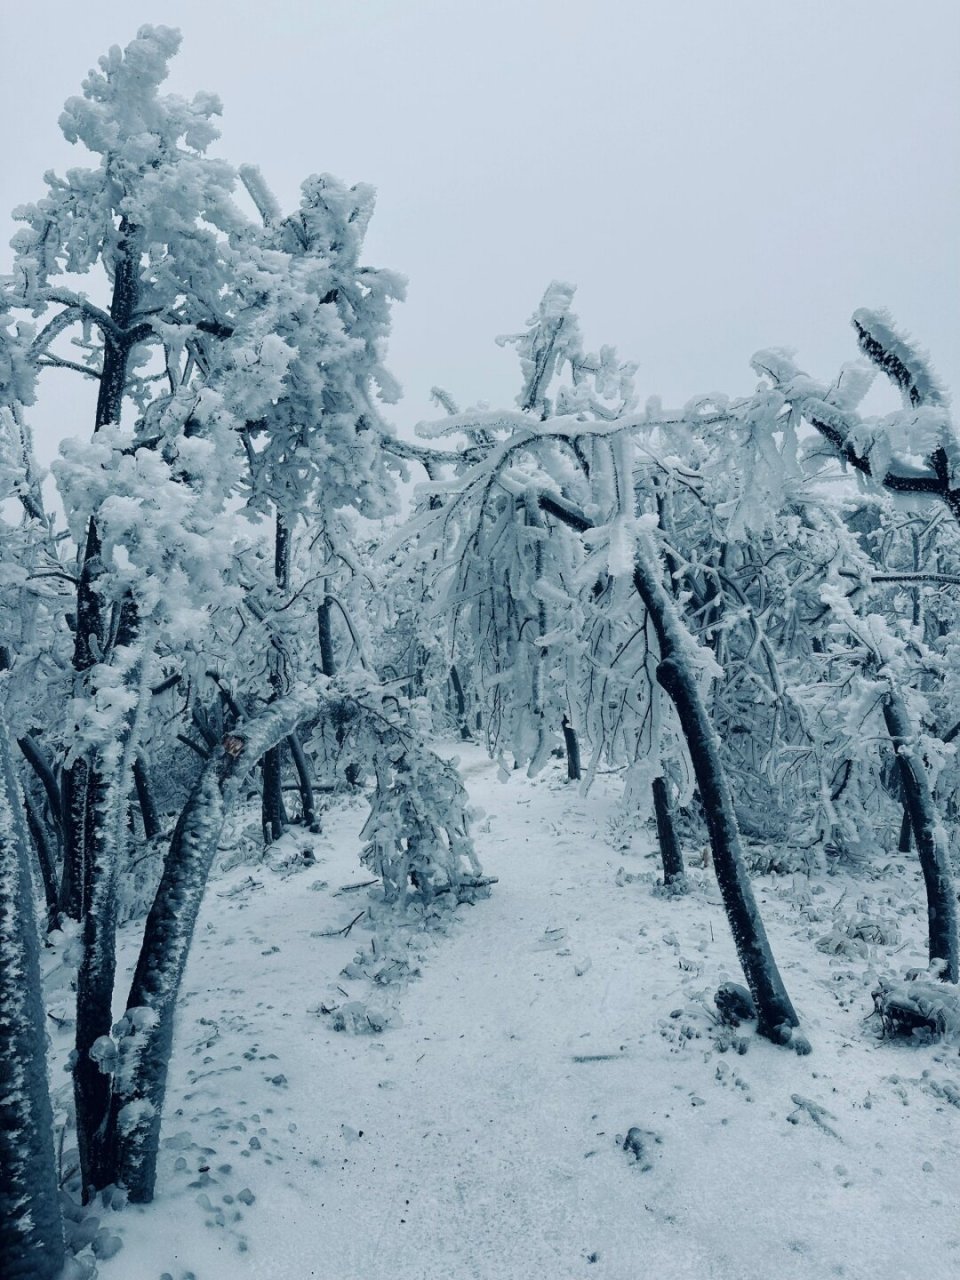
[918, 1009]
[740, 608]
[907, 366]
[418, 832]
[240, 366]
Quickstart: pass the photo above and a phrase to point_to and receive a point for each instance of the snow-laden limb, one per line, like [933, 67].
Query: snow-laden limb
[914, 452]
[900, 359]
[31, 1232]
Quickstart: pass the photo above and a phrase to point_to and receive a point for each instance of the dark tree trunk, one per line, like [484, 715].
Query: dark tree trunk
[31, 1228]
[273, 814]
[145, 798]
[928, 834]
[45, 860]
[95, 979]
[146, 1032]
[670, 853]
[464, 728]
[47, 857]
[307, 799]
[74, 824]
[905, 843]
[572, 744]
[90, 843]
[328, 663]
[39, 763]
[776, 1018]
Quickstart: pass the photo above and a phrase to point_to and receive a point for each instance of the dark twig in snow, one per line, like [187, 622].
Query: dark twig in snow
[344, 932]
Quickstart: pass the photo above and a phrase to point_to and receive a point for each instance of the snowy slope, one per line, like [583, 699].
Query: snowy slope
[480, 1133]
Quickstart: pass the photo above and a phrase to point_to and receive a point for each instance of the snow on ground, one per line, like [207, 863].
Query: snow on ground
[479, 1132]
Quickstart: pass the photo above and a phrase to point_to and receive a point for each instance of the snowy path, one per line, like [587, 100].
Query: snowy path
[478, 1139]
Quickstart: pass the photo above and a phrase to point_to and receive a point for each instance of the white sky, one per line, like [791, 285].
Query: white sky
[715, 175]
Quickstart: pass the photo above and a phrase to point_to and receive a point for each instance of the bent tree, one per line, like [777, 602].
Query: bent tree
[561, 467]
[677, 673]
[882, 453]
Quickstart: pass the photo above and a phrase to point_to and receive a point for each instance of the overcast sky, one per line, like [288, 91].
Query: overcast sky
[714, 175]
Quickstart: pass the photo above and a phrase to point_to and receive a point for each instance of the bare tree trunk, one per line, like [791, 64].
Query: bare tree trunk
[273, 814]
[95, 980]
[464, 728]
[572, 744]
[670, 853]
[301, 764]
[929, 837]
[146, 1030]
[36, 757]
[776, 1018]
[328, 663]
[74, 791]
[31, 1228]
[45, 860]
[148, 806]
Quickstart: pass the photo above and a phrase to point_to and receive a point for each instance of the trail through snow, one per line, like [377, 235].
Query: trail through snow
[480, 1135]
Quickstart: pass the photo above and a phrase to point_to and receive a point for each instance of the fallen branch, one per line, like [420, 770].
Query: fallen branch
[352, 888]
[479, 882]
[344, 932]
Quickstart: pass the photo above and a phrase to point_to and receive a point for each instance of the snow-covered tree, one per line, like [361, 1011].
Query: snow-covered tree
[584, 481]
[235, 364]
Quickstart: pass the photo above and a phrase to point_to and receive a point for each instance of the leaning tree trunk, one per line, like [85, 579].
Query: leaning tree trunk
[145, 798]
[776, 1018]
[929, 837]
[45, 860]
[36, 757]
[311, 819]
[146, 1030]
[31, 1229]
